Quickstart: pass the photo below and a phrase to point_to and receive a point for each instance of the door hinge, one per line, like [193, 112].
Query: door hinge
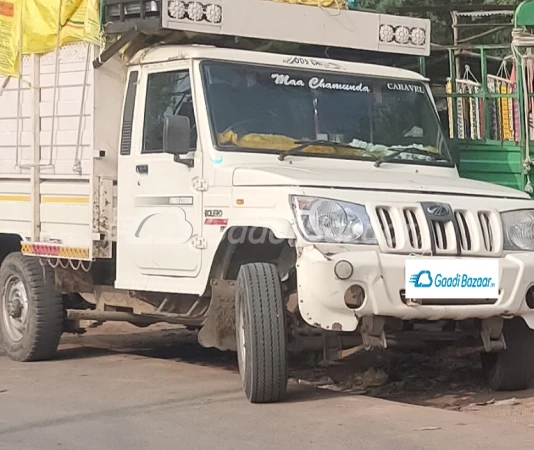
[200, 184]
[200, 243]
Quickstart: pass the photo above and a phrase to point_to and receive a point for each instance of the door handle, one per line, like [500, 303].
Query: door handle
[142, 169]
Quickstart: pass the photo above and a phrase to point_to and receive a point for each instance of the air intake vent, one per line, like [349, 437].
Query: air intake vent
[487, 231]
[440, 235]
[414, 229]
[463, 228]
[386, 223]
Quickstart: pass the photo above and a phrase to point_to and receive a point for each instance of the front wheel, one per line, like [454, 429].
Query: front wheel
[31, 310]
[261, 333]
[512, 369]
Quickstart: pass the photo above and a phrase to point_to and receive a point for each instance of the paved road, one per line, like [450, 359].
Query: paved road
[103, 398]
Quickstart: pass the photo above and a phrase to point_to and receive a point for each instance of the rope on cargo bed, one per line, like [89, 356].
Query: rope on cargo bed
[102, 39]
[338, 9]
[340, 5]
[58, 263]
[74, 264]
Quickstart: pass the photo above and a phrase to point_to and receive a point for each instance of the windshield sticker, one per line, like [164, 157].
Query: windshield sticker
[406, 87]
[295, 60]
[318, 83]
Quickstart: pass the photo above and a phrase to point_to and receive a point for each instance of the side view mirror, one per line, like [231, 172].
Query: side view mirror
[176, 135]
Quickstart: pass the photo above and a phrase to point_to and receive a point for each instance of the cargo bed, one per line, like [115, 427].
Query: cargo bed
[71, 200]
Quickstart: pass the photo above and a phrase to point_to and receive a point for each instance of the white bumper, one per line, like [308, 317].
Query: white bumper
[322, 294]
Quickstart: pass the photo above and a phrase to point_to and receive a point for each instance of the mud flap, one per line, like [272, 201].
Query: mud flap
[218, 330]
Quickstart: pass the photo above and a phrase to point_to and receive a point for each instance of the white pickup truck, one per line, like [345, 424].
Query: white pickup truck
[253, 196]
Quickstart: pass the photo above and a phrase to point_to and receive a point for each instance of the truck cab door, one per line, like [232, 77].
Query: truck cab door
[159, 208]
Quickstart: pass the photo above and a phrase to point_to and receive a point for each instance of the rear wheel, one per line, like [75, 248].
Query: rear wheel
[513, 368]
[261, 333]
[31, 310]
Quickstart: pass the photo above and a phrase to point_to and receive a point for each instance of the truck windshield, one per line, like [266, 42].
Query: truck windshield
[275, 109]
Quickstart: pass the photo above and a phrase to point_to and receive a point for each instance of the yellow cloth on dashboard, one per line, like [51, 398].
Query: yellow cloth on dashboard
[76, 20]
[282, 143]
[339, 4]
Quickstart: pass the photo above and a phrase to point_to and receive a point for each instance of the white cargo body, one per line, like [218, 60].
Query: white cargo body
[70, 113]
[274, 202]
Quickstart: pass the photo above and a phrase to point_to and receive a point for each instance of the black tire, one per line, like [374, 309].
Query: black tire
[513, 368]
[42, 325]
[261, 330]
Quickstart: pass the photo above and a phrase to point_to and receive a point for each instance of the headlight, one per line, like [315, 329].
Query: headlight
[518, 230]
[325, 220]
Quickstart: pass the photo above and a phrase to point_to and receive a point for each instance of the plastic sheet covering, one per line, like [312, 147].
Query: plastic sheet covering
[9, 38]
[39, 26]
[339, 4]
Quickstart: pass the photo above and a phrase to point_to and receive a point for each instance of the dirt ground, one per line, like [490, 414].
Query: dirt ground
[420, 377]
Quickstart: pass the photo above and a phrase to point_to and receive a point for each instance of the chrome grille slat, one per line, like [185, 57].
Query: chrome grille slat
[463, 228]
[440, 235]
[487, 235]
[414, 230]
[437, 235]
[387, 226]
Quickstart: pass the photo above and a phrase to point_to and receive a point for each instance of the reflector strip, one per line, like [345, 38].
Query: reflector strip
[54, 251]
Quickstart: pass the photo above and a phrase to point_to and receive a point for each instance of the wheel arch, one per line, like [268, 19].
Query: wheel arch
[281, 228]
[241, 245]
[270, 237]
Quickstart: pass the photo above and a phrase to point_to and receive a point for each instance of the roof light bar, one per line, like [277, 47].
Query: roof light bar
[193, 11]
[290, 22]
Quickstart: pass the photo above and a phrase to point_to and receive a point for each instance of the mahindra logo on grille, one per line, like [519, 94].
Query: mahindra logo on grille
[438, 210]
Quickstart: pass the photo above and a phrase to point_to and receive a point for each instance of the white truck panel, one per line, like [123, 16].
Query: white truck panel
[78, 124]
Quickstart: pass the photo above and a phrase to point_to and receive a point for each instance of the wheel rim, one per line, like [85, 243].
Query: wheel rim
[14, 308]
[241, 342]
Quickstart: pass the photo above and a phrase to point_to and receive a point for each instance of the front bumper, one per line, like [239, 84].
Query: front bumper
[322, 294]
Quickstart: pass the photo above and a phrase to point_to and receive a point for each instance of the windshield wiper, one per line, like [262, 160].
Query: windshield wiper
[303, 145]
[412, 150]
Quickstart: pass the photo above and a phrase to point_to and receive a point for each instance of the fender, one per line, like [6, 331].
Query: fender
[281, 228]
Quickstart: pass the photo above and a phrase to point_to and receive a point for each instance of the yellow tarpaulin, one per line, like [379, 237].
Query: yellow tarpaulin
[76, 20]
[9, 38]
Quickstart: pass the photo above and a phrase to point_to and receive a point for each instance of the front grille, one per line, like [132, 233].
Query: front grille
[406, 229]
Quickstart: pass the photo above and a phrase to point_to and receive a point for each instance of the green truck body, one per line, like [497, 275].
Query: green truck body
[489, 114]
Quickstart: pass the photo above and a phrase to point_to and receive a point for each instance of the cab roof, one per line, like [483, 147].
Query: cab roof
[167, 53]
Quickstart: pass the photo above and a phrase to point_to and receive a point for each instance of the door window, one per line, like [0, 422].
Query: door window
[168, 93]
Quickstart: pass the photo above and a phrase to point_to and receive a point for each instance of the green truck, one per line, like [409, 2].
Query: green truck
[490, 113]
